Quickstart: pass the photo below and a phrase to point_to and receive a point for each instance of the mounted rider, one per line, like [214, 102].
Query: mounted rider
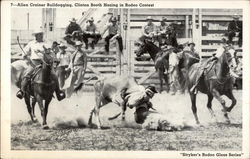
[92, 33]
[73, 32]
[33, 52]
[225, 47]
[149, 30]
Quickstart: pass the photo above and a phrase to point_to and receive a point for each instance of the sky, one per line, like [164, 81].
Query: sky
[63, 15]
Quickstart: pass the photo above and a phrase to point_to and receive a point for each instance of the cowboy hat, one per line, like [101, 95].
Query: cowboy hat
[91, 19]
[62, 46]
[149, 18]
[163, 19]
[192, 43]
[78, 43]
[73, 20]
[37, 31]
[113, 19]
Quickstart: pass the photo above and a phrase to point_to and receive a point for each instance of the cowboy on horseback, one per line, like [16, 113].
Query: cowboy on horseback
[224, 48]
[33, 52]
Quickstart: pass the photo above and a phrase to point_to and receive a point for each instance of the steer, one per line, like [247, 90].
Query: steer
[123, 91]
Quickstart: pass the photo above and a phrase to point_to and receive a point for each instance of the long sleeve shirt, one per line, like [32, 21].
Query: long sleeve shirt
[73, 27]
[147, 29]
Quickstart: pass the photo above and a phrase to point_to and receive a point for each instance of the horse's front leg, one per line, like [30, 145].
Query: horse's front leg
[27, 101]
[47, 101]
[33, 103]
[40, 103]
[230, 95]
[160, 73]
[217, 95]
[194, 108]
[209, 105]
[167, 82]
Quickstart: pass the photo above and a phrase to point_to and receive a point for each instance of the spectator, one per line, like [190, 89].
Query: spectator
[149, 30]
[113, 33]
[91, 32]
[73, 32]
[235, 29]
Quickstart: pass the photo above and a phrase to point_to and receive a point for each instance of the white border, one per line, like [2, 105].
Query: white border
[5, 87]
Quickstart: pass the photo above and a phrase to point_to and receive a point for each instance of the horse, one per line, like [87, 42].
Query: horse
[41, 87]
[17, 72]
[215, 82]
[154, 51]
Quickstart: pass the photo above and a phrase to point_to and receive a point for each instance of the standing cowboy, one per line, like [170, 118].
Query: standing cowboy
[34, 53]
[91, 32]
[149, 30]
[162, 32]
[203, 65]
[63, 58]
[73, 31]
[173, 71]
[235, 27]
[78, 66]
[55, 50]
[113, 33]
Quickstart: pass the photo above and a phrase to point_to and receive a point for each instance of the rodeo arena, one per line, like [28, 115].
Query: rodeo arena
[128, 79]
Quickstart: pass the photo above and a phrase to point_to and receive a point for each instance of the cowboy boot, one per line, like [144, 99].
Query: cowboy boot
[24, 84]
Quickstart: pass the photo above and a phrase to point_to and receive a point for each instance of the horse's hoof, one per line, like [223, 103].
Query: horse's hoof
[229, 109]
[45, 127]
[35, 120]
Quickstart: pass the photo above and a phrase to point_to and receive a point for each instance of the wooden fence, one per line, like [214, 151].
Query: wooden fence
[144, 71]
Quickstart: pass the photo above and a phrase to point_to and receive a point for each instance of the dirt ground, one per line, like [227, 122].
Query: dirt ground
[68, 119]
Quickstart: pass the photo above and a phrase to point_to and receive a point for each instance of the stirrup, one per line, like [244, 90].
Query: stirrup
[61, 96]
[20, 94]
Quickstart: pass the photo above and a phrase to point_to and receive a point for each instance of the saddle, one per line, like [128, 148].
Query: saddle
[209, 65]
[35, 71]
